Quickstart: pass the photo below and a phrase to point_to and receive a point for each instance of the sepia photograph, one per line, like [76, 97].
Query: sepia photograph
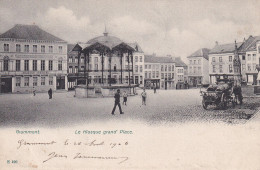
[129, 84]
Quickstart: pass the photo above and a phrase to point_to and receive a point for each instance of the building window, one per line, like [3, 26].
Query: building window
[248, 56]
[141, 69]
[243, 67]
[18, 81]
[150, 66]
[50, 64]
[136, 58]
[169, 68]
[26, 48]
[136, 68]
[26, 81]
[96, 59]
[172, 75]
[172, 67]
[254, 57]
[145, 66]
[42, 65]
[42, 81]
[194, 62]
[76, 60]
[18, 48]
[70, 69]
[50, 80]
[157, 74]
[70, 59]
[50, 49]
[6, 64]
[141, 79]
[141, 59]
[149, 74]
[249, 67]
[35, 79]
[60, 49]
[213, 59]
[220, 69]
[220, 59]
[199, 61]
[190, 69]
[230, 58]
[165, 68]
[162, 76]
[43, 48]
[90, 67]
[199, 69]
[214, 69]
[35, 48]
[161, 67]
[6, 47]
[190, 61]
[60, 65]
[96, 67]
[230, 68]
[194, 70]
[18, 65]
[82, 67]
[153, 74]
[76, 69]
[26, 65]
[145, 74]
[34, 65]
[243, 57]
[82, 59]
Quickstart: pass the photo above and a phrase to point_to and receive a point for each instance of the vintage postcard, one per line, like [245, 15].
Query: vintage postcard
[129, 84]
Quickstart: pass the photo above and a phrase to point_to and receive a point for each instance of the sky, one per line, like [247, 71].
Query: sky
[165, 27]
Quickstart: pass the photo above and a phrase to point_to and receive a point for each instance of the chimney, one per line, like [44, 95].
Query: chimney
[216, 43]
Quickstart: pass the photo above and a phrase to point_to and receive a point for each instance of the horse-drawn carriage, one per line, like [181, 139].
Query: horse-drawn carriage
[221, 95]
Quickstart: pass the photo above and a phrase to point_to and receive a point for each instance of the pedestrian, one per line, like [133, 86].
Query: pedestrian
[125, 97]
[154, 89]
[34, 92]
[143, 94]
[117, 102]
[50, 93]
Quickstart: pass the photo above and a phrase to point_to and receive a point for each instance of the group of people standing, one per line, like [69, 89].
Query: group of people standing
[125, 95]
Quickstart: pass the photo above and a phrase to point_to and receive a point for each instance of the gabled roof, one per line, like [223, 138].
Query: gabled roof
[203, 52]
[249, 44]
[225, 48]
[179, 62]
[153, 59]
[29, 32]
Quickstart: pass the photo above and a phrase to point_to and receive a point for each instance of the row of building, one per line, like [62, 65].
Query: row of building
[205, 66]
[33, 59]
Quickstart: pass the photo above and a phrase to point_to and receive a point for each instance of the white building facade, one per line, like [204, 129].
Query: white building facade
[31, 61]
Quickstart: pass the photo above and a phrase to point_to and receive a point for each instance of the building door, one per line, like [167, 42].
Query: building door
[60, 82]
[6, 85]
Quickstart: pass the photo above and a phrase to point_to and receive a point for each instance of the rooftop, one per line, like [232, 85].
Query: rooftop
[154, 59]
[249, 44]
[203, 52]
[225, 48]
[29, 32]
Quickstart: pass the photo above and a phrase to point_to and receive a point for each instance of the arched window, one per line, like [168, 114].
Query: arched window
[6, 63]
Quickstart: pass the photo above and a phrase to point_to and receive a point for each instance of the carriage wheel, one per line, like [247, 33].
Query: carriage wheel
[204, 104]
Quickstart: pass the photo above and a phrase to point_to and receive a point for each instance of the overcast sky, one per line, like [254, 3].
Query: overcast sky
[177, 27]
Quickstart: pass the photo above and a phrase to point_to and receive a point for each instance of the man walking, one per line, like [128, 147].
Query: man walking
[50, 93]
[117, 102]
[143, 94]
